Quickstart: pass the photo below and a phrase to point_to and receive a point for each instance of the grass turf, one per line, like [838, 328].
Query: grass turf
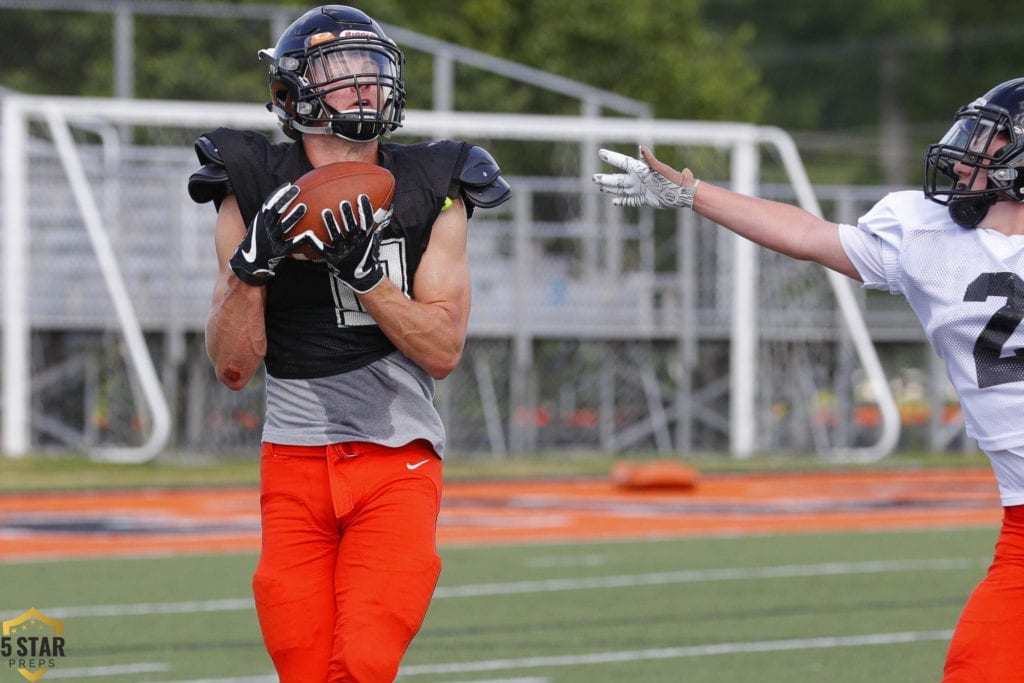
[647, 611]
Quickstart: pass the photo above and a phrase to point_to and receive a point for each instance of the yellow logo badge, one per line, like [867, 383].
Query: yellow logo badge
[32, 643]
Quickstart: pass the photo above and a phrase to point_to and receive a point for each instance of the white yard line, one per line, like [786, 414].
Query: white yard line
[555, 585]
[149, 608]
[705, 575]
[105, 671]
[867, 639]
[627, 656]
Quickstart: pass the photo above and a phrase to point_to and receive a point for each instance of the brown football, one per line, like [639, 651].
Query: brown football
[325, 187]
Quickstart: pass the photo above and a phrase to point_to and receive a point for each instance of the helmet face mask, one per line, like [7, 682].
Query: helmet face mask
[335, 72]
[978, 161]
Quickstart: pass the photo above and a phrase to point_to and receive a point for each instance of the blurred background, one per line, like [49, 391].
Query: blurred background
[594, 330]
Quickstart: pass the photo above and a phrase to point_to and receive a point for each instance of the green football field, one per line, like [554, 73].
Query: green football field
[838, 607]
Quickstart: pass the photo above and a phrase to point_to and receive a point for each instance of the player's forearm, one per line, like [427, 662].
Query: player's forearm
[774, 225]
[781, 227]
[430, 333]
[236, 339]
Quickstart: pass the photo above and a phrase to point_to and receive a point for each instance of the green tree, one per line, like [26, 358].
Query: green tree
[658, 51]
[56, 53]
[865, 85]
[217, 61]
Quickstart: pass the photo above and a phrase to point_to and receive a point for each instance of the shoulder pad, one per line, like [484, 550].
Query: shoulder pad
[211, 182]
[207, 151]
[482, 184]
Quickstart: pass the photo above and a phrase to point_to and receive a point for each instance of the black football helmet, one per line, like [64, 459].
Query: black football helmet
[967, 145]
[331, 48]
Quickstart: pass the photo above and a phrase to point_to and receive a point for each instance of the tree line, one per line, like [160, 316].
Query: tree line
[863, 86]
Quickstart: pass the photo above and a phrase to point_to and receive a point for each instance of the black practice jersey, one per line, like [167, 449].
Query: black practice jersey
[315, 324]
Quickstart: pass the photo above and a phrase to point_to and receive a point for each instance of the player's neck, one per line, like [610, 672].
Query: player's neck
[327, 149]
[1006, 217]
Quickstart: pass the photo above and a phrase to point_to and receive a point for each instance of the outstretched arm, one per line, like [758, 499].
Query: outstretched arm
[780, 227]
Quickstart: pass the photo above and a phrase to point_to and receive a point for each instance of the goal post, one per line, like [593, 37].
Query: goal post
[604, 280]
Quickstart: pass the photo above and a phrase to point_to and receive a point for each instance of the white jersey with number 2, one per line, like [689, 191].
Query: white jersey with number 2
[966, 286]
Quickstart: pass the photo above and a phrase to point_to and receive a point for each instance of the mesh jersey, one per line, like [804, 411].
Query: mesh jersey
[316, 326]
[967, 288]
[332, 375]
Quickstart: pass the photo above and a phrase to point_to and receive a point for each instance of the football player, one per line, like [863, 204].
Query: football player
[956, 252]
[352, 342]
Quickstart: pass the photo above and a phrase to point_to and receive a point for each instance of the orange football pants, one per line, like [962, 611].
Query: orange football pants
[988, 643]
[349, 560]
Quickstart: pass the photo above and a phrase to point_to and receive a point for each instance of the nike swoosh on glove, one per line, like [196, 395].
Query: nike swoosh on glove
[353, 255]
[264, 244]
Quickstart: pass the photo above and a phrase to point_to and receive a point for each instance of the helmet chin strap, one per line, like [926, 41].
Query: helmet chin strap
[312, 130]
[361, 126]
[332, 129]
[967, 212]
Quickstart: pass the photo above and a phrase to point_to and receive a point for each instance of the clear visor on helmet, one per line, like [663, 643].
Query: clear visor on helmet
[969, 142]
[329, 67]
[971, 134]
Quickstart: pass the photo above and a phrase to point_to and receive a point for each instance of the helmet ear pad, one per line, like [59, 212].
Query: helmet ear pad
[282, 103]
[281, 94]
[1018, 184]
[967, 212]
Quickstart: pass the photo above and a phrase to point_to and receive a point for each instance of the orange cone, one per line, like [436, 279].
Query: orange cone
[655, 474]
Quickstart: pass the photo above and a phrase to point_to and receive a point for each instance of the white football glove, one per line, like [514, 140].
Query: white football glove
[641, 185]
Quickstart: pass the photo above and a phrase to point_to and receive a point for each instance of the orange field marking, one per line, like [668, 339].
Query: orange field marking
[201, 520]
